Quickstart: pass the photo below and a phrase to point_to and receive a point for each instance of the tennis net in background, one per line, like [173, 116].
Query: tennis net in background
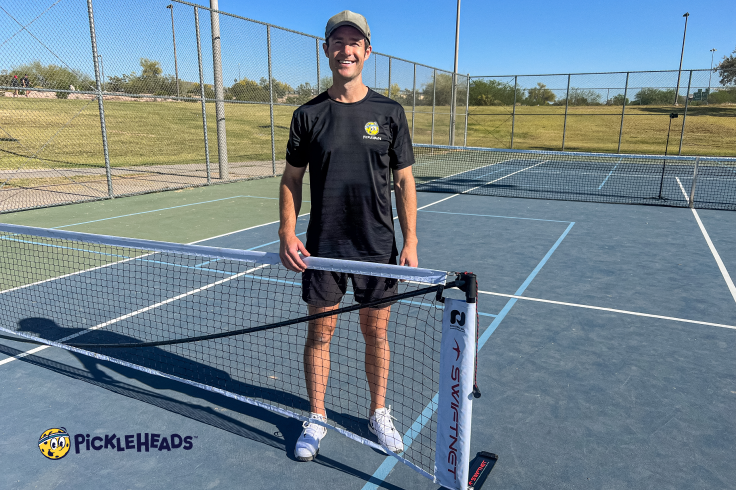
[84, 292]
[596, 177]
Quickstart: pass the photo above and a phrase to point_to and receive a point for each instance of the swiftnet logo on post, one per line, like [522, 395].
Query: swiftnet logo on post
[139, 442]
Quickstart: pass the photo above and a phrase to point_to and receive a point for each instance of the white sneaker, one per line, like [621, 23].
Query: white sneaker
[307, 447]
[381, 425]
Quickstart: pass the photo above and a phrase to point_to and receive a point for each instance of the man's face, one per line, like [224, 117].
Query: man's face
[347, 51]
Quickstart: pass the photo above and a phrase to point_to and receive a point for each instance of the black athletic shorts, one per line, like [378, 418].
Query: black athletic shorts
[326, 288]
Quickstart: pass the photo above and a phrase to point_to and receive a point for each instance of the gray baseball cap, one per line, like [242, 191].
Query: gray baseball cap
[348, 18]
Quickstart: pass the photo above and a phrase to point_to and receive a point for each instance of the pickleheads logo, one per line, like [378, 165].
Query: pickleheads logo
[54, 443]
[371, 128]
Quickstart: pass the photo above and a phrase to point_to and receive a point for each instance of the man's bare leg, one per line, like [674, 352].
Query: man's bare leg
[374, 325]
[317, 357]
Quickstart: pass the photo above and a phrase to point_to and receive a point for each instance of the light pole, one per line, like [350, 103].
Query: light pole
[677, 90]
[710, 75]
[453, 105]
[173, 34]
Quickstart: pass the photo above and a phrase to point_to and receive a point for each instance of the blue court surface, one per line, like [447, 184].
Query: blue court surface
[607, 359]
[622, 179]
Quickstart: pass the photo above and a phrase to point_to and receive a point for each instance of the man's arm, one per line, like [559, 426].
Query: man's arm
[406, 207]
[290, 201]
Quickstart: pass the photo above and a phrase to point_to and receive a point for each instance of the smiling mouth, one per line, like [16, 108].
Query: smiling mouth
[346, 62]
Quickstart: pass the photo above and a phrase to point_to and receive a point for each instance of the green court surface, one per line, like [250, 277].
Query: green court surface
[181, 216]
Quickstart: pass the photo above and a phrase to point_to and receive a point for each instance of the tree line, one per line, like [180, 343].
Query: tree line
[483, 92]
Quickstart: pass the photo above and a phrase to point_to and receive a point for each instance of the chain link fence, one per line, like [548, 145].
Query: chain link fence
[627, 112]
[178, 95]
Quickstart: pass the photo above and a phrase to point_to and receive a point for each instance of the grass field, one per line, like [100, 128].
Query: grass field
[53, 133]
[709, 130]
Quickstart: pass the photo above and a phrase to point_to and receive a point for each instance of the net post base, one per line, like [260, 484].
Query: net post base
[480, 468]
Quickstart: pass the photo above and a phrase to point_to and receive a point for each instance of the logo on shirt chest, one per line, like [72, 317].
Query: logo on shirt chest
[372, 129]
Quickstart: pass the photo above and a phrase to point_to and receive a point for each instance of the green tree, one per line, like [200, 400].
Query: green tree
[539, 95]
[493, 92]
[443, 94]
[53, 77]
[325, 83]
[280, 89]
[248, 90]
[580, 96]
[196, 92]
[619, 100]
[727, 69]
[656, 96]
[150, 68]
[400, 96]
[150, 81]
[260, 91]
[723, 96]
[304, 93]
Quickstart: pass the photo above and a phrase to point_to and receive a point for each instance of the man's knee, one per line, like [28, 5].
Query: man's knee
[374, 334]
[320, 331]
[319, 337]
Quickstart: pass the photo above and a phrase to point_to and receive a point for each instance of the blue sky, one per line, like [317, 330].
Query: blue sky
[497, 38]
[527, 37]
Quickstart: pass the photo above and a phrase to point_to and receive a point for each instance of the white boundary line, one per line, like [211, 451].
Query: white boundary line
[612, 310]
[721, 265]
[478, 186]
[244, 229]
[212, 389]
[131, 314]
[132, 258]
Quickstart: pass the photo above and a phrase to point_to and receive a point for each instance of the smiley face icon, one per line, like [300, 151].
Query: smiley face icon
[371, 128]
[54, 443]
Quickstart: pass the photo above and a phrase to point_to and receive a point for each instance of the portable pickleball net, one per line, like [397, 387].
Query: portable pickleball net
[234, 322]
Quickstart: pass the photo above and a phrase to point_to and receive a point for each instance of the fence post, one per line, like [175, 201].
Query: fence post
[414, 101]
[434, 93]
[201, 95]
[695, 178]
[513, 112]
[219, 91]
[270, 102]
[467, 109]
[567, 104]
[453, 104]
[100, 103]
[623, 111]
[684, 116]
[388, 92]
[318, 74]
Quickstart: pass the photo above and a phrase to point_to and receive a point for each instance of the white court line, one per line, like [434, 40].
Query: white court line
[134, 313]
[37, 349]
[244, 229]
[612, 310]
[478, 186]
[466, 171]
[721, 265]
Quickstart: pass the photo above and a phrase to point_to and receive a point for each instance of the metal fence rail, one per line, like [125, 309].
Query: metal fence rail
[186, 95]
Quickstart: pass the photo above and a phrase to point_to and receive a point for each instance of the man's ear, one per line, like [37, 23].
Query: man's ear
[324, 48]
[368, 51]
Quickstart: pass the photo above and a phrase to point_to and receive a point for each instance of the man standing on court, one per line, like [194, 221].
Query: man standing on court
[353, 140]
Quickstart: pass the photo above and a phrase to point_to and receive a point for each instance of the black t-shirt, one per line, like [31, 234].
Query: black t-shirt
[351, 150]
